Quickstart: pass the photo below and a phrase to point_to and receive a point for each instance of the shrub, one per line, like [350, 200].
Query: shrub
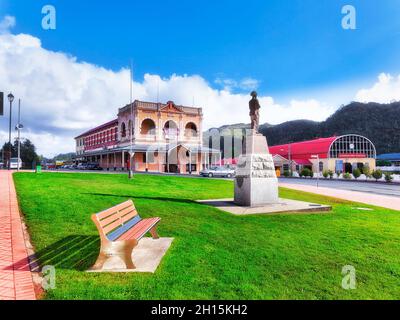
[388, 177]
[356, 173]
[325, 174]
[330, 173]
[366, 170]
[347, 176]
[305, 172]
[286, 174]
[377, 174]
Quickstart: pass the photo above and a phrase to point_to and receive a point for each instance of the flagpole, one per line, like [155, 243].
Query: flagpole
[131, 128]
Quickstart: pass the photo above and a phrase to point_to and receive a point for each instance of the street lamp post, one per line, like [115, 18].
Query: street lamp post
[10, 99]
[18, 127]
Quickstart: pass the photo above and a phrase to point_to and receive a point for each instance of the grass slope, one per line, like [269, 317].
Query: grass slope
[215, 255]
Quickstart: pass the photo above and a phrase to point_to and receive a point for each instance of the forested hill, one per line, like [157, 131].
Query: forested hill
[378, 122]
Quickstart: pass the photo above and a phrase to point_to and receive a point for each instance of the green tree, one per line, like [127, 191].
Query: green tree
[388, 177]
[305, 172]
[330, 173]
[347, 176]
[356, 173]
[377, 174]
[367, 171]
[29, 156]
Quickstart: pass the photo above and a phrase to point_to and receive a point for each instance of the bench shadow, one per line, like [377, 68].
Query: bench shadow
[75, 252]
[141, 197]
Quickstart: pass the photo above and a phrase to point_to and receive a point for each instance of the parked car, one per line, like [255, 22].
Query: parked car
[1, 165]
[82, 166]
[15, 163]
[218, 172]
[93, 166]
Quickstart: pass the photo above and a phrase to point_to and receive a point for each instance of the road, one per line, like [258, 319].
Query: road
[392, 190]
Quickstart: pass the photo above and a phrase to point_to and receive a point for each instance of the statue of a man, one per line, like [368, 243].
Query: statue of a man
[254, 111]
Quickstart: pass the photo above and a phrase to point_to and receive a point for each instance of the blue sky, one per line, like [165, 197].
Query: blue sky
[287, 45]
[208, 53]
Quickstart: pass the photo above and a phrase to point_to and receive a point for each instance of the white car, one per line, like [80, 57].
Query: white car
[218, 172]
[15, 163]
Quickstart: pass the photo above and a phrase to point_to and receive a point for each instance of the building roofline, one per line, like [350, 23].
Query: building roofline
[97, 128]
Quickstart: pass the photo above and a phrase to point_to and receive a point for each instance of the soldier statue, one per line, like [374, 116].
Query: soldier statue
[254, 111]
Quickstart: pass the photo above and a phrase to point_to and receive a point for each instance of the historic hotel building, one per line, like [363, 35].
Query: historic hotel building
[160, 137]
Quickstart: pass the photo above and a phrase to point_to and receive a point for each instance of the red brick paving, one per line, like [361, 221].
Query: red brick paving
[15, 276]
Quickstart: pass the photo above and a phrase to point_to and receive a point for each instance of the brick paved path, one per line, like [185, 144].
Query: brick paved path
[15, 276]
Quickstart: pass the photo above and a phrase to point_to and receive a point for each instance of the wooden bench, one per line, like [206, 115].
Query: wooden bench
[120, 229]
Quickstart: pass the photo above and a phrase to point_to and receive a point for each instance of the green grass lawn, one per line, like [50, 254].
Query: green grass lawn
[215, 255]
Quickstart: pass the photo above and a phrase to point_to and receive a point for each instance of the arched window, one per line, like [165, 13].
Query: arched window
[148, 127]
[130, 128]
[191, 130]
[123, 130]
[171, 129]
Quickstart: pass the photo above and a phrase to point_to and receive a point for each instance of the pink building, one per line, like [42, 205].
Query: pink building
[156, 137]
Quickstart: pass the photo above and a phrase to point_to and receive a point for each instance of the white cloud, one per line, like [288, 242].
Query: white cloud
[385, 90]
[6, 24]
[231, 84]
[62, 97]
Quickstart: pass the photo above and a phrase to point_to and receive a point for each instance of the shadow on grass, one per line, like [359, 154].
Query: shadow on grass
[75, 252]
[142, 197]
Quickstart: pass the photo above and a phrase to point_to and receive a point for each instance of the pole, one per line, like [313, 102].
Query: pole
[9, 138]
[130, 174]
[318, 171]
[19, 133]
[290, 160]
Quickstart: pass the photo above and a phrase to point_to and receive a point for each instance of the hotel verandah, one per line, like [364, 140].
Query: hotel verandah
[162, 138]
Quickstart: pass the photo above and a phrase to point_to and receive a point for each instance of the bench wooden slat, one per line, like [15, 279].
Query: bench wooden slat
[112, 236]
[118, 223]
[140, 229]
[130, 212]
[104, 214]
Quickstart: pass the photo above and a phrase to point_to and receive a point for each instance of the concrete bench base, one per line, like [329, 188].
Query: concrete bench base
[147, 256]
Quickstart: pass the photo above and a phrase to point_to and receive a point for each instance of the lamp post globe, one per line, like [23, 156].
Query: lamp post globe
[10, 97]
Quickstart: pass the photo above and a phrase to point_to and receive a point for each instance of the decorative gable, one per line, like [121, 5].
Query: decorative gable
[171, 107]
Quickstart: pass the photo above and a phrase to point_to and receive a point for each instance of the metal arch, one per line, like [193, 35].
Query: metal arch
[349, 135]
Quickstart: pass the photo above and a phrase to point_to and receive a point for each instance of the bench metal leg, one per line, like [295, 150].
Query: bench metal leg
[101, 260]
[127, 255]
[122, 249]
[153, 232]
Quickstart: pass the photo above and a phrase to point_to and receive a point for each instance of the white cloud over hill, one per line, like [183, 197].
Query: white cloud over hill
[63, 97]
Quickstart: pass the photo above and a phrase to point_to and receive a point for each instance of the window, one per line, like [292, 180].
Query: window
[148, 127]
[190, 130]
[123, 130]
[321, 166]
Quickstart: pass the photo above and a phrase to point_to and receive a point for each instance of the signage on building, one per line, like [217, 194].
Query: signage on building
[352, 155]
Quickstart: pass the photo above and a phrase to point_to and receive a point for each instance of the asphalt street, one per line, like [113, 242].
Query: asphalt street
[360, 186]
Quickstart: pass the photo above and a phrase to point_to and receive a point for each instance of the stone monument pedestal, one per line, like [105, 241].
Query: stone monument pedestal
[255, 182]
